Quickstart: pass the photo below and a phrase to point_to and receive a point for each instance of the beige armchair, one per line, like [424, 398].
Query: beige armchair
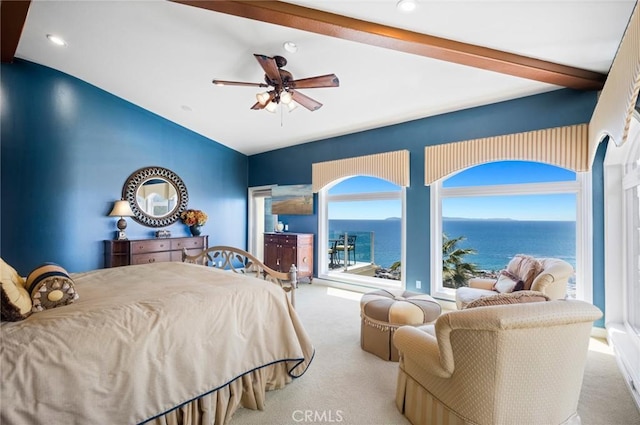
[551, 280]
[504, 364]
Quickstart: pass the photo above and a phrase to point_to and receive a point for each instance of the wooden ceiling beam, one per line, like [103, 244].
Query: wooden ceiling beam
[333, 25]
[13, 14]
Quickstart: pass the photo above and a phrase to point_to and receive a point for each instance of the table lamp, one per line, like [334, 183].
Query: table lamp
[121, 209]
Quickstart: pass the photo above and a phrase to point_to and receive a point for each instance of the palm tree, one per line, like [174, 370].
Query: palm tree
[455, 272]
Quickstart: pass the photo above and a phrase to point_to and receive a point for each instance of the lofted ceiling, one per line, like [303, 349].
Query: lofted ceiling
[393, 66]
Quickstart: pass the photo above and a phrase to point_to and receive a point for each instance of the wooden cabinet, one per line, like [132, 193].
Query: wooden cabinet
[143, 251]
[281, 250]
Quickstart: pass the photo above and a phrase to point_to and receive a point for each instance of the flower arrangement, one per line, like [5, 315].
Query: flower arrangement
[193, 217]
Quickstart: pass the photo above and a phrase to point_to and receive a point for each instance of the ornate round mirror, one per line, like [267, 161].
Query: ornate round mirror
[156, 195]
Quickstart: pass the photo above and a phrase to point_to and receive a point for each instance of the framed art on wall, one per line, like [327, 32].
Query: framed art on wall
[292, 199]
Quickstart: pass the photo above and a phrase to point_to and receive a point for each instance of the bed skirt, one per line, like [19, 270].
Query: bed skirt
[217, 407]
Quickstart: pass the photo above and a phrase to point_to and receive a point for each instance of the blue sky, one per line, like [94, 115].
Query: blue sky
[530, 207]
[559, 207]
[509, 172]
[365, 210]
[370, 210]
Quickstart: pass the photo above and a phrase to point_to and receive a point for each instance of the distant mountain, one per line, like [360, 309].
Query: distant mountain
[393, 218]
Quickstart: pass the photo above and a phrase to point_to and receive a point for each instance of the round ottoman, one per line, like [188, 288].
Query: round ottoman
[384, 311]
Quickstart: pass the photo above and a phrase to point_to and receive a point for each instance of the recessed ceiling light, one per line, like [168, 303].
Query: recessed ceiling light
[56, 40]
[407, 5]
[290, 46]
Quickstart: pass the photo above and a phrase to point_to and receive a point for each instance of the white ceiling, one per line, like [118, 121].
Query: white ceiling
[162, 57]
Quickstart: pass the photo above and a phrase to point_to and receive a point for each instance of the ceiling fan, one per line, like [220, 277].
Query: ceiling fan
[283, 86]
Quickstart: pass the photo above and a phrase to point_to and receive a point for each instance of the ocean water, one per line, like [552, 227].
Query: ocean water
[496, 241]
[385, 235]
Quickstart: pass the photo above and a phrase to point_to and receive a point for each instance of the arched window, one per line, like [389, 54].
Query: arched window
[367, 213]
[500, 209]
[361, 207]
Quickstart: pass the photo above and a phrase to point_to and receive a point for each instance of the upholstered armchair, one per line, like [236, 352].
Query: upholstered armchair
[549, 276]
[502, 364]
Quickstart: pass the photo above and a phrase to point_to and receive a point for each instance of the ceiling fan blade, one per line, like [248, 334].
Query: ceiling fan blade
[257, 106]
[329, 80]
[306, 101]
[270, 68]
[237, 83]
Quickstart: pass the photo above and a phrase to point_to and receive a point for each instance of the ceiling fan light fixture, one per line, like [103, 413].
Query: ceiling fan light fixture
[281, 84]
[271, 107]
[406, 6]
[292, 105]
[285, 97]
[263, 98]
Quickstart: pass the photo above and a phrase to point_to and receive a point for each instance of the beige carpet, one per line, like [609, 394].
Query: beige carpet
[345, 385]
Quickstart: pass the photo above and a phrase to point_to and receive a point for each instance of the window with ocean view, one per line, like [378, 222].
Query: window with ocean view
[496, 240]
[366, 212]
[501, 209]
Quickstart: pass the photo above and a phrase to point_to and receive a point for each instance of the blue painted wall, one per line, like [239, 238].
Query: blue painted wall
[554, 109]
[67, 149]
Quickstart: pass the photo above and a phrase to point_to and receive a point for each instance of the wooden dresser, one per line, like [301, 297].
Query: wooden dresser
[142, 251]
[281, 250]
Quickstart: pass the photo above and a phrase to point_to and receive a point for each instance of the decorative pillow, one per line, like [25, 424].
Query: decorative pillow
[507, 283]
[15, 303]
[526, 268]
[512, 298]
[50, 286]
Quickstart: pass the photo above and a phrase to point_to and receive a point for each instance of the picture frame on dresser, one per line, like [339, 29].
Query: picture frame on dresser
[142, 251]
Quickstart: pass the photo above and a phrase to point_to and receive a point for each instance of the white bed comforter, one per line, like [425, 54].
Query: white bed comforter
[142, 340]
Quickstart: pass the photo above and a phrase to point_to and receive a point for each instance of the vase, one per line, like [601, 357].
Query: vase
[195, 230]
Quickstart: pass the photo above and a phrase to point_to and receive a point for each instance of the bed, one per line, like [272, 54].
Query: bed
[163, 343]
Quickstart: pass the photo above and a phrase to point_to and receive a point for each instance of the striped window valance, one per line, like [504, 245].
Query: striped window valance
[613, 113]
[391, 166]
[562, 146]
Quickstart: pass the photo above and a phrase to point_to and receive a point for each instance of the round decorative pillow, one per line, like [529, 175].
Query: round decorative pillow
[50, 286]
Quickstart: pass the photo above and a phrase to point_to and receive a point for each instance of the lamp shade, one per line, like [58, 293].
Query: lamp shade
[121, 209]
[271, 107]
[285, 97]
[263, 98]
